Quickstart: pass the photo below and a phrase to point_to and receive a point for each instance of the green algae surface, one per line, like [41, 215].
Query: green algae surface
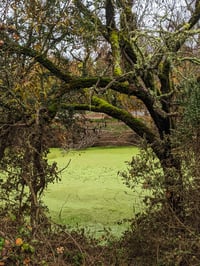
[91, 193]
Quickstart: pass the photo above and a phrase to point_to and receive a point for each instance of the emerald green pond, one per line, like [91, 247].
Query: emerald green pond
[91, 194]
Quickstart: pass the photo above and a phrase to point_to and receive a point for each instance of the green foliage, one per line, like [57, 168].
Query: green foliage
[186, 138]
[145, 171]
[21, 183]
[2, 241]
[160, 236]
[191, 104]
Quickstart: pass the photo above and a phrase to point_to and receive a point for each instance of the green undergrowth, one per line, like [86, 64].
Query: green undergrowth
[91, 193]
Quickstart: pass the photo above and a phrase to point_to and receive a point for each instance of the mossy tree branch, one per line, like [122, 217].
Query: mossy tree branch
[113, 37]
[100, 105]
[181, 35]
[158, 115]
[74, 83]
[117, 39]
[14, 47]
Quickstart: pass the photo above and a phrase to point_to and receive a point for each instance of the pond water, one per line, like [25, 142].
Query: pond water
[91, 193]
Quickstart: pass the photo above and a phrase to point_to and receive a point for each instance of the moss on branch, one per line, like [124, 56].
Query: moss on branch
[114, 41]
[125, 88]
[40, 58]
[193, 20]
[89, 82]
[100, 105]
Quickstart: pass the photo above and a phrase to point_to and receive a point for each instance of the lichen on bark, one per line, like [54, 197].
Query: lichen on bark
[114, 40]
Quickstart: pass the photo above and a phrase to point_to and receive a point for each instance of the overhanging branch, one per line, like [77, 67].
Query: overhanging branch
[40, 58]
[100, 105]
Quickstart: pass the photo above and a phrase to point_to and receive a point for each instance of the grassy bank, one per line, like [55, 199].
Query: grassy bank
[91, 194]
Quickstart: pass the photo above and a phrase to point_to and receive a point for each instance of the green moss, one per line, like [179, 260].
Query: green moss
[53, 108]
[117, 70]
[134, 123]
[100, 105]
[114, 40]
[125, 83]
[186, 26]
[87, 82]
